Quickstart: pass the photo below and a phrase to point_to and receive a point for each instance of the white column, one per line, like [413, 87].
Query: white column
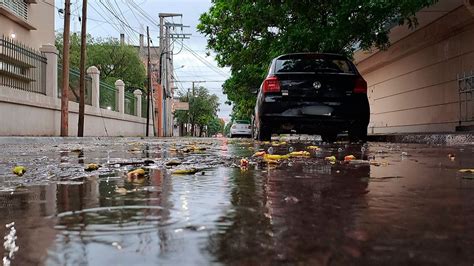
[138, 106]
[51, 54]
[120, 86]
[95, 75]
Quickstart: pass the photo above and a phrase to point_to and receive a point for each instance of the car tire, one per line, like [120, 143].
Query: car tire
[264, 134]
[329, 137]
[358, 132]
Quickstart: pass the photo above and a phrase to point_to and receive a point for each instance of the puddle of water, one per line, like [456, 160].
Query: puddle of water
[414, 209]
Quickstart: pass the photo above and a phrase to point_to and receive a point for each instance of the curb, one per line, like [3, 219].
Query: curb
[464, 138]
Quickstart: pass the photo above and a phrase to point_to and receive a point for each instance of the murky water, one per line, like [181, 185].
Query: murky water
[411, 206]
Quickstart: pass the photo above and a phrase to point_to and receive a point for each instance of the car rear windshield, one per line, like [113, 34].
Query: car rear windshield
[242, 122]
[313, 63]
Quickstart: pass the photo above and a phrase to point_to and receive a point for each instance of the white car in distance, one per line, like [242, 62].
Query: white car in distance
[241, 128]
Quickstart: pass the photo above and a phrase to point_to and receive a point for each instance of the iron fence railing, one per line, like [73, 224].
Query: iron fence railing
[108, 96]
[74, 78]
[17, 7]
[22, 67]
[466, 99]
[130, 103]
[144, 105]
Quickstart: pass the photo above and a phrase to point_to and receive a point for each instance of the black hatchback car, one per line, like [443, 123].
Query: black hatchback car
[312, 93]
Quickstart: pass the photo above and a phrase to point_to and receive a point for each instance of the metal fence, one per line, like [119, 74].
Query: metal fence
[17, 7]
[74, 78]
[130, 103]
[22, 67]
[108, 96]
[466, 101]
[144, 105]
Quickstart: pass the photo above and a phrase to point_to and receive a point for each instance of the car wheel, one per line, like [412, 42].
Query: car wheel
[329, 137]
[264, 134]
[358, 133]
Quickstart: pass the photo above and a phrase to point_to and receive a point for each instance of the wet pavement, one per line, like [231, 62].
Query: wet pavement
[395, 204]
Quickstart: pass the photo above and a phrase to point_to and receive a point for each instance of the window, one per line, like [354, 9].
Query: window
[310, 63]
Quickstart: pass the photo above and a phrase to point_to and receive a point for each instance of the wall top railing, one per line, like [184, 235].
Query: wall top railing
[17, 7]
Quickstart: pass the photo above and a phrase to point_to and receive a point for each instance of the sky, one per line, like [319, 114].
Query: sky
[139, 14]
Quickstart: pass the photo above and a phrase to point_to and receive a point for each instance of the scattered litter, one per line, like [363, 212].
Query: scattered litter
[259, 154]
[244, 163]
[331, 159]
[313, 148]
[19, 170]
[451, 156]
[136, 176]
[189, 171]
[404, 153]
[173, 163]
[467, 171]
[349, 158]
[275, 157]
[291, 199]
[299, 154]
[121, 190]
[91, 167]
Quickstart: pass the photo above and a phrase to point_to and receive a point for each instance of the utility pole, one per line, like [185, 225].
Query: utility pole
[165, 68]
[149, 85]
[65, 89]
[82, 83]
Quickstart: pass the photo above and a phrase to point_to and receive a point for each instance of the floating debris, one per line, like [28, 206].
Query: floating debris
[91, 167]
[173, 163]
[121, 190]
[259, 154]
[19, 170]
[189, 171]
[299, 154]
[467, 171]
[349, 158]
[244, 163]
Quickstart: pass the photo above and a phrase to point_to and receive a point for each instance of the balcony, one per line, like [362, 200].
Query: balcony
[17, 11]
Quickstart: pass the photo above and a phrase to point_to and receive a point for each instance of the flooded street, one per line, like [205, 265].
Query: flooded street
[393, 204]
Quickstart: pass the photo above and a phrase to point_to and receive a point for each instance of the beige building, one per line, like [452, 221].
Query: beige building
[414, 85]
[30, 22]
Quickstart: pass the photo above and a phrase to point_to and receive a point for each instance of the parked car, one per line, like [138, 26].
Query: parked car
[241, 128]
[312, 93]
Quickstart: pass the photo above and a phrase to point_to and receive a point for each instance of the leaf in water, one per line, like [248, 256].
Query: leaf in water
[467, 171]
[19, 170]
[259, 154]
[190, 171]
[316, 148]
[121, 190]
[244, 163]
[173, 163]
[91, 167]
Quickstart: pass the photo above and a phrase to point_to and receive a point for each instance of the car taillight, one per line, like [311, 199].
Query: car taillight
[271, 84]
[360, 86]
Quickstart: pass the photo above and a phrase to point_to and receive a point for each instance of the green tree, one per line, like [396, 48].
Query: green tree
[247, 34]
[113, 60]
[203, 108]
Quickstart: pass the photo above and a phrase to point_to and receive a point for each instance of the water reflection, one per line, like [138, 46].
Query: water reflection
[306, 212]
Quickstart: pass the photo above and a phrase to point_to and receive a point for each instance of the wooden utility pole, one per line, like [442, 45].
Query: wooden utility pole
[149, 85]
[65, 89]
[82, 77]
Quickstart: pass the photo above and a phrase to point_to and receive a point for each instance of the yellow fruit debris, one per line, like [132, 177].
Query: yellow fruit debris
[92, 167]
[299, 154]
[19, 170]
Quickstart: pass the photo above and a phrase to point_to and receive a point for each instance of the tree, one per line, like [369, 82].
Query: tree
[203, 108]
[113, 60]
[247, 34]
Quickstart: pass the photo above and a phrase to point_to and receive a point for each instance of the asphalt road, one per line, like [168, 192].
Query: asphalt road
[198, 203]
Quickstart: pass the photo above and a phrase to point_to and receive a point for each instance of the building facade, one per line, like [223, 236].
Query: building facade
[423, 81]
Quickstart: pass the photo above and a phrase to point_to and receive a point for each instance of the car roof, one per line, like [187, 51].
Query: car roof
[328, 55]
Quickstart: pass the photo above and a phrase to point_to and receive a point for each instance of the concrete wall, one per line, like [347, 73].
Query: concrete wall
[413, 84]
[29, 114]
[40, 16]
